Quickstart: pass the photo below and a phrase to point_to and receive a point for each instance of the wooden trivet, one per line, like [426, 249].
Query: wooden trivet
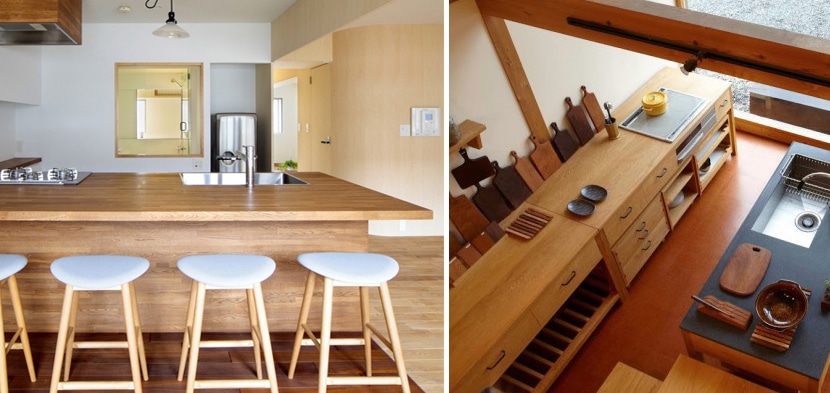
[732, 314]
[773, 338]
[528, 224]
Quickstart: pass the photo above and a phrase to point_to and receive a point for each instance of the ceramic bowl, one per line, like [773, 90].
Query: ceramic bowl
[781, 305]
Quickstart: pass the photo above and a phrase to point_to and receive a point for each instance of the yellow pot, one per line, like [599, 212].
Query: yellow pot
[655, 103]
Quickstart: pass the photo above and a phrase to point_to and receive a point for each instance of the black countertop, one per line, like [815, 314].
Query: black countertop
[809, 267]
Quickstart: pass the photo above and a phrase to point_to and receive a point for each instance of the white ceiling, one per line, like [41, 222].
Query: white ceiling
[247, 11]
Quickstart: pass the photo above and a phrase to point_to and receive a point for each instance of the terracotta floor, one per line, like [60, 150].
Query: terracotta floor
[644, 332]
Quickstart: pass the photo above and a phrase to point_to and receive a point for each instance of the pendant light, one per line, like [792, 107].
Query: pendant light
[170, 29]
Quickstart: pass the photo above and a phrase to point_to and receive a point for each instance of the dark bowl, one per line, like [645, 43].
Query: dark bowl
[781, 305]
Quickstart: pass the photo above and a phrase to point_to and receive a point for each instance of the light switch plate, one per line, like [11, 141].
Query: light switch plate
[404, 130]
[426, 122]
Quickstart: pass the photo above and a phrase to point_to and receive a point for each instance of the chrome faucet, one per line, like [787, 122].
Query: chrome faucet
[812, 175]
[250, 166]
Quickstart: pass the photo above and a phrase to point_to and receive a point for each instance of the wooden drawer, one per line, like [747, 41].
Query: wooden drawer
[629, 242]
[565, 283]
[488, 367]
[622, 219]
[723, 104]
[660, 175]
[655, 232]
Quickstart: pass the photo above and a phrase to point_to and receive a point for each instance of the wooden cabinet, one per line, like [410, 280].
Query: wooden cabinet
[641, 239]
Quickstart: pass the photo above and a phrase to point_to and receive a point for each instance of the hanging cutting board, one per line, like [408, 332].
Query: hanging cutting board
[591, 104]
[580, 121]
[745, 270]
[511, 185]
[564, 143]
[544, 158]
[472, 171]
[527, 171]
[468, 220]
[491, 203]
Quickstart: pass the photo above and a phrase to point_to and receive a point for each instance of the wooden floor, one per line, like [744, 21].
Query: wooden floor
[644, 332]
[418, 301]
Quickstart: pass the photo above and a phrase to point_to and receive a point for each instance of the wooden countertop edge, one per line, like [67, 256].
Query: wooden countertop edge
[76, 216]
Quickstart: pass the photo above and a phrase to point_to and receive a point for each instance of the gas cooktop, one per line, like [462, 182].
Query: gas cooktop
[54, 176]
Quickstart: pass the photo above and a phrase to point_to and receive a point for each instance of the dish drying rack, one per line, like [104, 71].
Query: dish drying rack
[798, 166]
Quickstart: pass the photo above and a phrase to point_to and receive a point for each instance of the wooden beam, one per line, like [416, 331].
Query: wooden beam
[512, 64]
[763, 54]
[779, 131]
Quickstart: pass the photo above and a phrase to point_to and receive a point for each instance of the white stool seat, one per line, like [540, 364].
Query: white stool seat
[227, 270]
[98, 271]
[11, 264]
[351, 267]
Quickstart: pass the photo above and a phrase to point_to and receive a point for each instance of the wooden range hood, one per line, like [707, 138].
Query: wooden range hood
[40, 22]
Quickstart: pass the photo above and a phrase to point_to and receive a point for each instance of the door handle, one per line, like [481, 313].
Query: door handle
[327, 141]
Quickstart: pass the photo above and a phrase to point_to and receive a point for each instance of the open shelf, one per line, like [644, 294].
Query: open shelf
[470, 132]
[538, 366]
[718, 158]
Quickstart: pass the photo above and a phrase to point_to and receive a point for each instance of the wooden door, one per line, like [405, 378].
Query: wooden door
[321, 138]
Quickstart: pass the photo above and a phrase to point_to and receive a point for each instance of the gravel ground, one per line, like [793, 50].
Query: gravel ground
[809, 17]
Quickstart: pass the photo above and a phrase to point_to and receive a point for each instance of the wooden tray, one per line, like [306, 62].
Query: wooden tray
[771, 338]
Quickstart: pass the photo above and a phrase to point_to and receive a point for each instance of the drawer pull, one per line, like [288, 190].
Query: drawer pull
[627, 213]
[725, 101]
[501, 357]
[642, 226]
[571, 278]
[663, 172]
[645, 234]
[647, 246]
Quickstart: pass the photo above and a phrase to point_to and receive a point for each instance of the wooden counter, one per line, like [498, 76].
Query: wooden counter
[156, 217]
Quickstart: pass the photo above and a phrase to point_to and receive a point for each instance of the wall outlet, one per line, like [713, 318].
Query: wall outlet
[404, 129]
[19, 148]
[197, 163]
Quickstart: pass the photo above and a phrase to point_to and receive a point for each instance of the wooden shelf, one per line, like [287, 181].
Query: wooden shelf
[470, 132]
[19, 162]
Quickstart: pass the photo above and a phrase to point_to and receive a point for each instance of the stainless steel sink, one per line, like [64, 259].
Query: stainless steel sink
[238, 179]
[797, 206]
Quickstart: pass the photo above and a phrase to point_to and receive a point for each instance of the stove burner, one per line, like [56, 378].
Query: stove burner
[807, 221]
[51, 176]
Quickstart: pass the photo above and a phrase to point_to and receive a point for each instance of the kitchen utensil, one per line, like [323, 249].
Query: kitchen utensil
[472, 171]
[745, 270]
[564, 143]
[710, 305]
[589, 101]
[724, 311]
[612, 128]
[527, 171]
[607, 105]
[655, 103]
[491, 203]
[781, 305]
[593, 193]
[467, 219]
[483, 242]
[580, 121]
[677, 200]
[469, 255]
[511, 185]
[544, 158]
[581, 207]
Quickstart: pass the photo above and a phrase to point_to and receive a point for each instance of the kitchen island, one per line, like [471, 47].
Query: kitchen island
[156, 217]
[804, 365]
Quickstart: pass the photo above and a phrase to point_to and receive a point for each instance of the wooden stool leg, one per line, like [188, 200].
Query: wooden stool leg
[364, 325]
[132, 340]
[188, 329]
[325, 334]
[252, 318]
[21, 326]
[70, 342]
[4, 372]
[139, 334]
[196, 336]
[265, 337]
[62, 333]
[394, 338]
[298, 337]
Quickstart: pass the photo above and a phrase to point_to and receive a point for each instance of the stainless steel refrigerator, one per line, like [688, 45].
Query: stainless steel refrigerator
[231, 131]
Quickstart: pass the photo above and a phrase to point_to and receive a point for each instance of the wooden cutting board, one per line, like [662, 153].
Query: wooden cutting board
[491, 203]
[511, 185]
[527, 171]
[467, 219]
[580, 121]
[544, 158]
[745, 270]
[564, 143]
[591, 104]
[472, 171]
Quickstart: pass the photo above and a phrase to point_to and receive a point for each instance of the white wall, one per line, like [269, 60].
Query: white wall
[556, 66]
[7, 141]
[285, 144]
[233, 88]
[74, 123]
[20, 74]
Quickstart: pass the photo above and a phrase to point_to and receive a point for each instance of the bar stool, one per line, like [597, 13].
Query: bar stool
[227, 271]
[10, 264]
[99, 273]
[362, 270]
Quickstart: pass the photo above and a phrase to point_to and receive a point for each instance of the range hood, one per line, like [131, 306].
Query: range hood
[40, 22]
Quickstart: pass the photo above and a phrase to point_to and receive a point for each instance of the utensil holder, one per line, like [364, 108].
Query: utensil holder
[612, 128]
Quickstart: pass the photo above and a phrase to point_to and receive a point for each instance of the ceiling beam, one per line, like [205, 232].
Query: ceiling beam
[763, 54]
